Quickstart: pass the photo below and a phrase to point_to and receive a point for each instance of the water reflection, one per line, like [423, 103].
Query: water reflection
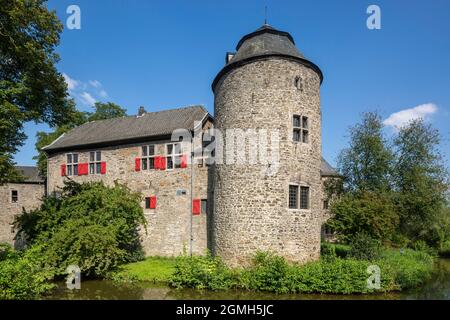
[437, 288]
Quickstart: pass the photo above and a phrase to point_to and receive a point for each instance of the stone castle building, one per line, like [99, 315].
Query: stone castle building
[231, 209]
[17, 196]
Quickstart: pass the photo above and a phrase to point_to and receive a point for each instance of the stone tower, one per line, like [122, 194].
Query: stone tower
[268, 84]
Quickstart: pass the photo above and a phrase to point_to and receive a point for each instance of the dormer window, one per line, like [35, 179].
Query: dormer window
[229, 56]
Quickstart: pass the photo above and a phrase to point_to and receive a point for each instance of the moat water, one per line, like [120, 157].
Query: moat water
[437, 288]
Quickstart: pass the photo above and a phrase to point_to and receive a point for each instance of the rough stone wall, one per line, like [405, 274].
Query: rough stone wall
[29, 198]
[168, 229]
[250, 208]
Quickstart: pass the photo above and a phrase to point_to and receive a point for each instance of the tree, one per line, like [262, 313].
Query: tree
[365, 164]
[91, 225]
[365, 212]
[31, 89]
[107, 110]
[422, 182]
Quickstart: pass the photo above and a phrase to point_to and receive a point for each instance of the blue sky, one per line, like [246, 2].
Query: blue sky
[165, 54]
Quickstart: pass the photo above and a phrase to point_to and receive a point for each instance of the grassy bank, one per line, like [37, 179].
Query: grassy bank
[152, 269]
[400, 269]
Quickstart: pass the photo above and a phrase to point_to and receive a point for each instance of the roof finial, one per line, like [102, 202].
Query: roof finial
[265, 16]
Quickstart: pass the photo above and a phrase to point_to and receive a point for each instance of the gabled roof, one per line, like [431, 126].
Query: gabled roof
[30, 174]
[130, 128]
[326, 170]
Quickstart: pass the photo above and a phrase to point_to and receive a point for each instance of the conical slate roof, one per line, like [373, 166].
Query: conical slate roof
[264, 43]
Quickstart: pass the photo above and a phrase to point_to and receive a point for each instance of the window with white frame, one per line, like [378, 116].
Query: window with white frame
[148, 157]
[72, 164]
[298, 197]
[95, 162]
[173, 155]
[300, 129]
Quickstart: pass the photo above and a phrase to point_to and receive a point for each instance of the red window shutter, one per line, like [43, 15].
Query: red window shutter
[152, 202]
[196, 207]
[63, 170]
[162, 164]
[137, 164]
[103, 167]
[184, 161]
[83, 169]
[157, 163]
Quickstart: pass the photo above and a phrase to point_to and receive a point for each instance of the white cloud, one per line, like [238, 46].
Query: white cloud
[85, 93]
[103, 94]
[95, 83]
[71, 83]
[399, 119]
[87, 98]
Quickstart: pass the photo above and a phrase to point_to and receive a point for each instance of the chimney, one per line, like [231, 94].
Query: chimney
[141, 111]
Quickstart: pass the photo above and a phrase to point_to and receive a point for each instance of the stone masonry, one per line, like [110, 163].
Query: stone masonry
[14, 198]
[168, 230]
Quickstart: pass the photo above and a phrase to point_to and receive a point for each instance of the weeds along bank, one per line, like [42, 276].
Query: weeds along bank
[332, 274]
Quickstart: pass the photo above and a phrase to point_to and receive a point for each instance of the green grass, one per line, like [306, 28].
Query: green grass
[153, 269]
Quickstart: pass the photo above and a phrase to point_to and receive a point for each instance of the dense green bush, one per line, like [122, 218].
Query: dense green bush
[444, 249]
[201, 272]
[23, 275]
[422, 246]
[407, 268]
[369, 212]
[90, 225]
[268, 272]
[333, 250]
[364, 247]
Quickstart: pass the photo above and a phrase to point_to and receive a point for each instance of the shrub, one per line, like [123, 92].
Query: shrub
[364, 247]
[90, 225]
[444, 249]
[201, 272]
[268, 273]
[369, 212]
[23, 275]
[332, 250]
[407, 268]
[422, 246]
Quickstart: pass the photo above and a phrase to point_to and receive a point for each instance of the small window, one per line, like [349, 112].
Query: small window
[95, 162]
[72, 164]
[148, 157]
[325, 205]
[298, 83]
[293, 197]
[304, 197]
[147, 203]
[14, 196]
[300, 129]
[173, 155]
[204, 205]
